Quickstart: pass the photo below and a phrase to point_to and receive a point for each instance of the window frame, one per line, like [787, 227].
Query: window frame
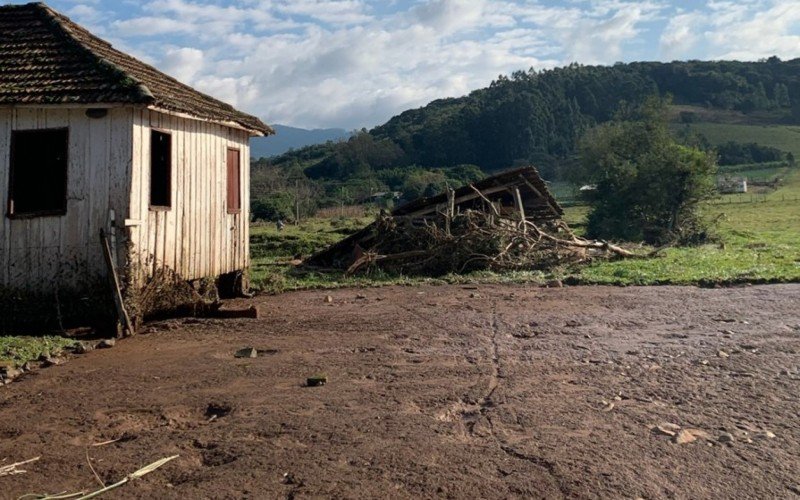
[10, 209]
[228, 208]
[151, 206]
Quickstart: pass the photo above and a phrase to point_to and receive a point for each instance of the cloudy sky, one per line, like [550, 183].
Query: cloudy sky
[355, 63]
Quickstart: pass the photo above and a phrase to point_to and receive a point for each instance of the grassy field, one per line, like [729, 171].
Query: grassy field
[758, 240]
[783, 137]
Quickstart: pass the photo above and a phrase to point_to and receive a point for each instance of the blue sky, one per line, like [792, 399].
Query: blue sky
[355, 63]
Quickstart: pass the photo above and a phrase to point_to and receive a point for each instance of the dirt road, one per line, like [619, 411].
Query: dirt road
[495, 392]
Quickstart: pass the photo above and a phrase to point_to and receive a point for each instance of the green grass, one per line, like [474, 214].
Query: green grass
[759, 243]
[756, 172]
[783, 137]
[20, 349]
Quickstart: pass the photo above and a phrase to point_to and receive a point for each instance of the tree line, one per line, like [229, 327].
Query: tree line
[528, 117]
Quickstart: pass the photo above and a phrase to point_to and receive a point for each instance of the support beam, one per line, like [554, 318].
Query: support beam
[520, 209]
[540, 195]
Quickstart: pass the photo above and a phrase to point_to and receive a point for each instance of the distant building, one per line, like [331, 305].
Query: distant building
[731, 185]
[91, 139]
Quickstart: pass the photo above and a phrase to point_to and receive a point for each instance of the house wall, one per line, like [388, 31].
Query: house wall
[64, 251]
[197, 237]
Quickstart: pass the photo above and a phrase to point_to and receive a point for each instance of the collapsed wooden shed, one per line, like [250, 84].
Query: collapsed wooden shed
[448, 231]
[93, 139]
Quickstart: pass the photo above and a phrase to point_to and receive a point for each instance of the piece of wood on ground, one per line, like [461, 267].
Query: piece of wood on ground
[113, 279]
[11, 469]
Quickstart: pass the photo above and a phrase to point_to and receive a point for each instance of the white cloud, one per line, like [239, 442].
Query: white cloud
[680, 35]
[183, 63]
[746, 30]
[338, 12]
[354, 63]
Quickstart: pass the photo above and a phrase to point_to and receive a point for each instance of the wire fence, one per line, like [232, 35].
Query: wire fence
[756, 198]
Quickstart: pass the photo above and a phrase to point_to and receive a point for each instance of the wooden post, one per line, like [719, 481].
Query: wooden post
[296, 202]
[113, 280]
[451, 208]
[520, 209]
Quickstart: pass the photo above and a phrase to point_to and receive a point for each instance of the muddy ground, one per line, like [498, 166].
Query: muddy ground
[495, 392]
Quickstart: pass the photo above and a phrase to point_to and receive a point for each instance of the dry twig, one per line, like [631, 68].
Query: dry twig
[130, 477]
[11, 469]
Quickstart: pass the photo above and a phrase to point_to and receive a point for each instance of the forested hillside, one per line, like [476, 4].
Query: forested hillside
[538, 116]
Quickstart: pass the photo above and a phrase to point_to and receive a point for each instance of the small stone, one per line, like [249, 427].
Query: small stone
[474, 295]
[50, 361]
[11, 373]
[684, 437]
[83, 348]
[764, 435]
[107, 343]
[725, 437]
[247, 352]
[328, 299]
[361, 296]
[723, 354]
[667, 429]
[703, 361]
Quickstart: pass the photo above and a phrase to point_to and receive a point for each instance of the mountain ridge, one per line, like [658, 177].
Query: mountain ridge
[287, 138]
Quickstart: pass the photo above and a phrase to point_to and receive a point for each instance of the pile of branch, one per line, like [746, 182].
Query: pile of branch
[473, 240]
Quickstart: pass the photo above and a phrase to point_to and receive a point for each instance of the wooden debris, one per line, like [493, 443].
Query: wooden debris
[249, 312]
[110, 441]
[503, 223]
[316, 380]
[91, 467]
[247, 352]
[12, 469]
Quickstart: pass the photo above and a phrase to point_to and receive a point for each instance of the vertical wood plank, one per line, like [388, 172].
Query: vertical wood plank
[5, 226]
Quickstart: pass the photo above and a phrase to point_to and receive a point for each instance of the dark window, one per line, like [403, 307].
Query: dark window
[38, 173]
[234, 176]
[160, 169]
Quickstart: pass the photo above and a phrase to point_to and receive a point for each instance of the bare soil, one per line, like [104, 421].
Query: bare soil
[447, 391]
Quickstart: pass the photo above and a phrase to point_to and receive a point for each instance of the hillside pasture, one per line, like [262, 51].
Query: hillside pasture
[784, 137]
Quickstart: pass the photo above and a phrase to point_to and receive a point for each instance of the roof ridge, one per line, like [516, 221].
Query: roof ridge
[66, 26]
[57, 60]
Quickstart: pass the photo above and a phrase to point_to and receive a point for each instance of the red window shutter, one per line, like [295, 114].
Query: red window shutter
[234, 179]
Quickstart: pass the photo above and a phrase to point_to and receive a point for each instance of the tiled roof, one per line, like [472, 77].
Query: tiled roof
[47, 59]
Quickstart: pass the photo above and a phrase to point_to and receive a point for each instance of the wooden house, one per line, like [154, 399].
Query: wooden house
[93, 139]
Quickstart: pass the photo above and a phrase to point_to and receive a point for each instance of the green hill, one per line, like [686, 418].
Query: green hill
[537, 117]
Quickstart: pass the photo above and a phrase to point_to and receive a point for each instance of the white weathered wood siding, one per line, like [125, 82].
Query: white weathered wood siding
[41, 253]
[197, 237]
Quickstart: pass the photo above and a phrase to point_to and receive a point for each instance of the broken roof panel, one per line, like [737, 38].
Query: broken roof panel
[538, 201]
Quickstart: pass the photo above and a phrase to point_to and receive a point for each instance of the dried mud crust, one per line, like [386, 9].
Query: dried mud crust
[503, 391]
